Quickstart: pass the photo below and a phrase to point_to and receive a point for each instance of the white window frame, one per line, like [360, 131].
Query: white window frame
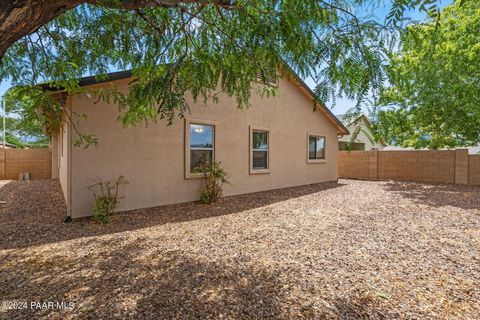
[315, 134]
[188, 122]
[251, 169]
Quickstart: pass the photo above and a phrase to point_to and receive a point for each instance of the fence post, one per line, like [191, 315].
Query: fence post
[3, 164]
[373, 165]
[461, 166]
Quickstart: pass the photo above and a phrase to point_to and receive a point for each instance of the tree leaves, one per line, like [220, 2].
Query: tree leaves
[205, 50]
[433, 100]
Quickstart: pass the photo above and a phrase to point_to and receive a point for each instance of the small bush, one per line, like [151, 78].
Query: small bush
[105, 201]
[215, 178]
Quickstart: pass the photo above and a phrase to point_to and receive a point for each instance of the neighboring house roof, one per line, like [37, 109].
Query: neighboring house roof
[343, 118]
[354, 121]
[86, 81]
[347, 120]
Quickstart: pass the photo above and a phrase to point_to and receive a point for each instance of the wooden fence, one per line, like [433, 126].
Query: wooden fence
[447, 166]
[38, 162]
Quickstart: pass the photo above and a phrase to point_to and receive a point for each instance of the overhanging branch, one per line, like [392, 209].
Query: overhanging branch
[19, 18]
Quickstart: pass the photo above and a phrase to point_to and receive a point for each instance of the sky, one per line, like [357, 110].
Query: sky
[342, 105]
[379, 14]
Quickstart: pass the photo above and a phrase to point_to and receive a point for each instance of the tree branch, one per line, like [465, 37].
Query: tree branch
[19, 18]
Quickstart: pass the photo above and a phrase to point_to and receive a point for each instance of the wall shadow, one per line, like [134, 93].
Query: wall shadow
[123, 281]
[438, 195]
[123, 284]
[359, 308]
[35, 211]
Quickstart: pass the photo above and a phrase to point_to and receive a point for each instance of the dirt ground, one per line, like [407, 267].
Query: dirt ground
[348, 250]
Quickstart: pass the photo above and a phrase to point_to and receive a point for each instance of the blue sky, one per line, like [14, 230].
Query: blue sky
[379, 14]
[343, 105]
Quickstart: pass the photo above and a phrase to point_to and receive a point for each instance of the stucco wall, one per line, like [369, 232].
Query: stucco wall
[55, 158]
[63, 156]
[152, 158]
[37, 162]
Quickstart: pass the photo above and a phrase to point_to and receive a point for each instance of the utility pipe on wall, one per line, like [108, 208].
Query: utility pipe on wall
[4, 140]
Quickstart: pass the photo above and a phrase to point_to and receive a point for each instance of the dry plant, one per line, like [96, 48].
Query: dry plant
[106, 200]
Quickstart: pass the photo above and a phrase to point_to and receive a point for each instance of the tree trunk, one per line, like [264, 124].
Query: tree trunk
[19, 18]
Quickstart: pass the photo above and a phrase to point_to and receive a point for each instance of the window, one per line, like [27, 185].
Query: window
[200, 146]
[259, 155]
[316, 148]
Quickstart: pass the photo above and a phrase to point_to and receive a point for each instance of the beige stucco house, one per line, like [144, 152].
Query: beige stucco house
[278, 142]
[364, 140]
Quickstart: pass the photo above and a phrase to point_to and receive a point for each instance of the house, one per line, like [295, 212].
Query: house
[278, 142]
[364, 141]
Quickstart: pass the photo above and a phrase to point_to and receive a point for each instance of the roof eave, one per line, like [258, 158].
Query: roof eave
[341, 129]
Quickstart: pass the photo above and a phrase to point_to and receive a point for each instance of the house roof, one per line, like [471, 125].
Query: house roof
[119, 75]
[342, 118]
[341, 128]
[348, 120]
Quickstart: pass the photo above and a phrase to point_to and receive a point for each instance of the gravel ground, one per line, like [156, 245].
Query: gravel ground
[356, 249]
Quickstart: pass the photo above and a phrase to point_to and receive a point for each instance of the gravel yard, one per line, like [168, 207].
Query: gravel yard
[349, 250]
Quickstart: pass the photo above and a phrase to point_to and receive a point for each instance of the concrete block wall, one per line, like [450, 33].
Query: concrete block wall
[432, 166]
[474, 170]
[356, 164]
[446, 166]
[38, 162]
[461, 166]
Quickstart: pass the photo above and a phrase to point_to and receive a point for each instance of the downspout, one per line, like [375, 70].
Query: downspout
[68, 217]
[4, 140]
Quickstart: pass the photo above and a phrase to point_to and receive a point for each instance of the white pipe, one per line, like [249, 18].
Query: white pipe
[4, 142]
[4, 123]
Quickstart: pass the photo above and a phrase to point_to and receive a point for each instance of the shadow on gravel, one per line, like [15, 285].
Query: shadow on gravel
[125, 285]
[363, 307]
[438, 195]
[35, 210]
[122, 281]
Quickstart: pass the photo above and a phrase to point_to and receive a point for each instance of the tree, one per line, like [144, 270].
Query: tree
[18, 133]
[205, 47]
[433, 100]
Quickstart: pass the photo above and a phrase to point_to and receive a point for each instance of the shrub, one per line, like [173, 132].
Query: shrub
[106, 200]
[215, 178]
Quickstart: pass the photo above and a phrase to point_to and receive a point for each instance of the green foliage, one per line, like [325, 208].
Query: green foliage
[399, 7]
[10, 138]
[201, 49]
[104, 205]
[28, 121]
[435, 88]
[215, 178]
[107, 198]
[361, 124]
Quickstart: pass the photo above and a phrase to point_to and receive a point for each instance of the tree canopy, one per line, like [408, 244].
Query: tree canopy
[205, 47]
[433, 100]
